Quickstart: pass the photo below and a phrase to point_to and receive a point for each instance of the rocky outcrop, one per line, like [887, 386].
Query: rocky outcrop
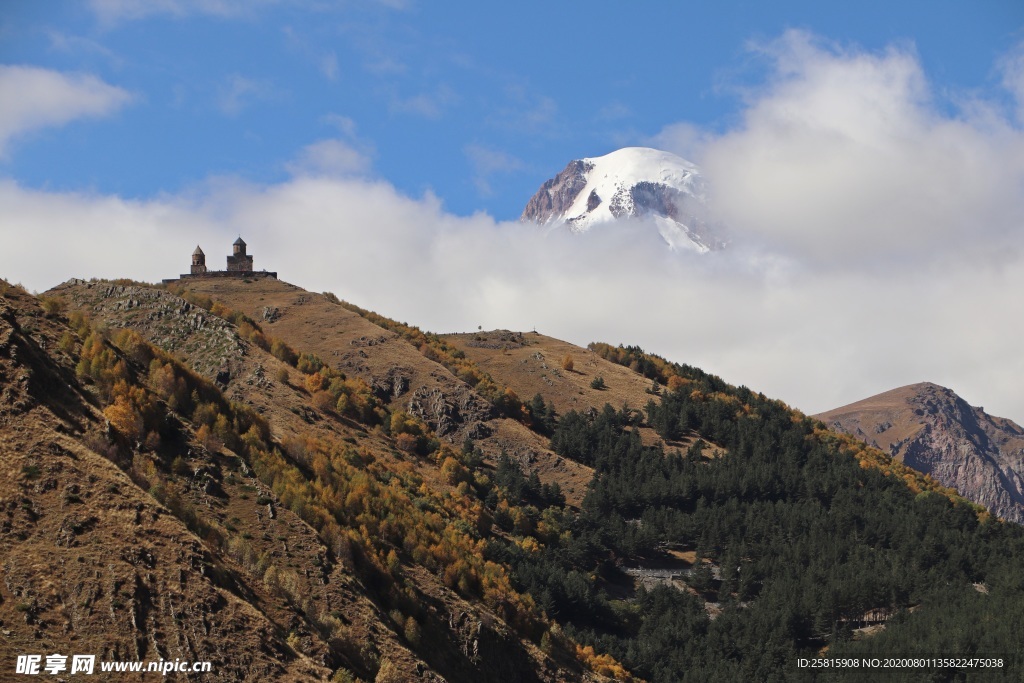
[556, 195]
[930, 428]
[649, 198]
[208, 342]
[445, 413]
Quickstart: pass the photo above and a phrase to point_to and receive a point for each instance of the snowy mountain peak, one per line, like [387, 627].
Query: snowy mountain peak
[633, 182]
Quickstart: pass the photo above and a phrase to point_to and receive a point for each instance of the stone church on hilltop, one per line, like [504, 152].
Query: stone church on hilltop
[239, 265]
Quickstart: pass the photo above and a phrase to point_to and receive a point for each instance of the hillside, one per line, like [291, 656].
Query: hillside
[91, 562]
[388, 504]
[399, 373]
[355, 551]
[794, 543]
[532, 364]
[933, 430]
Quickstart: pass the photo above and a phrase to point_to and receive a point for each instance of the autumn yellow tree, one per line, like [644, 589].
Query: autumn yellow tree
[283, 352]
[124, 418]
[675, 381]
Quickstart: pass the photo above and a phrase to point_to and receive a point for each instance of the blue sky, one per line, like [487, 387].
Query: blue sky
[475, 102]
[866, 158]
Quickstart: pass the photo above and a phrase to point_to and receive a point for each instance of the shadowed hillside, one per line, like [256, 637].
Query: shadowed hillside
[89, 555]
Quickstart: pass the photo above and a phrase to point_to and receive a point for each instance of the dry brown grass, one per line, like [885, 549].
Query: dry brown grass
[93, 564]
[299, 592]
[534, 366]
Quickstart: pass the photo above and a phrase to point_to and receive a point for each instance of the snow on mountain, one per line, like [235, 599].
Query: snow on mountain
[633, 182]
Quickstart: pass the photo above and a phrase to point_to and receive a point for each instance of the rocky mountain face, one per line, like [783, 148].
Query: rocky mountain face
[91, 563]
[557, 195]
[630, 183]
[930, 428]
[210, 504]
[395, 371]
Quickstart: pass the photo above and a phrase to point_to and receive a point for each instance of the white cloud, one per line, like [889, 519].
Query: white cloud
[305, 44]
[239, 92]
[819, 319]
[487, 162]
[526, 111]
[1012, 68]
[329, 66]
[683, 138]
[383, 65]
[116, 11]
[396, 4]
[816, 339]
[345, 124]
[56, 236]
[429, 105]
[844, 157]
[330, 157]
[73, 44]
[32, 98]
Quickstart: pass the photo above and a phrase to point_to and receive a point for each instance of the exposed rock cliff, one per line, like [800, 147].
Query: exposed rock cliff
[933, 430]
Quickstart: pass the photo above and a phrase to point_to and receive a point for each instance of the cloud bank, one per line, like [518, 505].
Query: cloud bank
[877, 242]
[845, 157]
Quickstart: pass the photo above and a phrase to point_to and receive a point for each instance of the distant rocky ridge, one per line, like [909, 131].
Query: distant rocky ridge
[634, 182]
[556, 195]
[930, 428]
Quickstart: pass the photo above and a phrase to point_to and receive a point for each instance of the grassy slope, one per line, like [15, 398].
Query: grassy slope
[91, 563]
[454, 633]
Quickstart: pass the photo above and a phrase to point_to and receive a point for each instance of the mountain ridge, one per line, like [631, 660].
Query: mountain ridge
[310, 503]
[932, 429]
[400, 513]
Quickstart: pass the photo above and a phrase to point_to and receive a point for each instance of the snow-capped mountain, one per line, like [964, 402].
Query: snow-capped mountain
[633, 182]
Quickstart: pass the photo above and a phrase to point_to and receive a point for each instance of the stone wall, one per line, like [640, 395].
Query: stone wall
[255, 274]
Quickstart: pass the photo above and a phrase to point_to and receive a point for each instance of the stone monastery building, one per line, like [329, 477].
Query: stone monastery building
[239, 265]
